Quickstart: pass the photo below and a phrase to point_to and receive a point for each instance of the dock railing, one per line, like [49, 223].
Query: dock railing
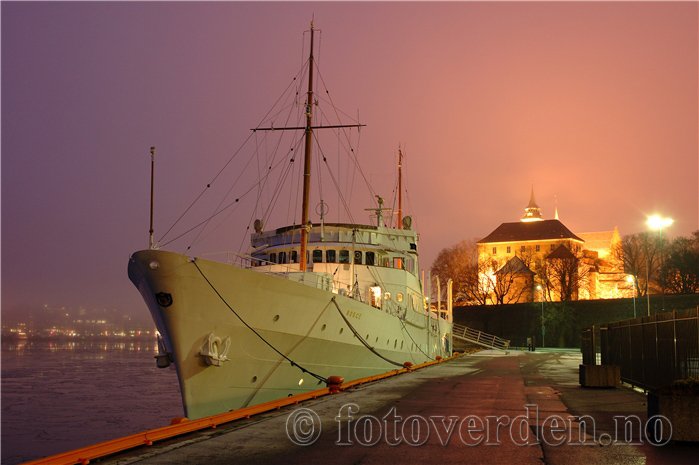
[652, 352]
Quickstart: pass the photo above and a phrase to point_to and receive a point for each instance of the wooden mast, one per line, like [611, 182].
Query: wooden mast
[400, 189]
[307, 162]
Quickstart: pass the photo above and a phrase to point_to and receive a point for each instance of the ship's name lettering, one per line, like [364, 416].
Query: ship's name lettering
[353, 314]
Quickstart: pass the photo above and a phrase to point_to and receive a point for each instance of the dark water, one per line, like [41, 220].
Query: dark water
[58, 396]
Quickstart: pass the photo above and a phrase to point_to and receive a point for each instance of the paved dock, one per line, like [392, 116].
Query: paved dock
[484, 408]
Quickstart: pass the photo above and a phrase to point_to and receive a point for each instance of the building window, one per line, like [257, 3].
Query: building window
[495, 250]
[317, 256]
[370, 258]
[538, 248]
[330, 256]
[508, 249]
[344, 256]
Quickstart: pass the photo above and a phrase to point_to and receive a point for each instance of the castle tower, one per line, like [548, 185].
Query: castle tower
[532, 212]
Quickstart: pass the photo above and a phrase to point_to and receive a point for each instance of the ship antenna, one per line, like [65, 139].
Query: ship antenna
[151, 242]
[307, 161]
[400, 189]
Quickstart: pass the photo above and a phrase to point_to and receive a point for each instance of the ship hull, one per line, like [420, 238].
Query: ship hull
[226, 328]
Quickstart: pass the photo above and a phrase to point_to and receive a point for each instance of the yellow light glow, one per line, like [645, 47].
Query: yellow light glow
[657, 222]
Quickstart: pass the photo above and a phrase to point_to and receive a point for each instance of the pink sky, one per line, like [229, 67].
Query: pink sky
[594, 104]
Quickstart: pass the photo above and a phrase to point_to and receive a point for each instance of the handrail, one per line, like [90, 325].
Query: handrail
[475, 336]
[147, 438]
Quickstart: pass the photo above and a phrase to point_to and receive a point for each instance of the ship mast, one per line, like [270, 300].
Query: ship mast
[400, 189]
[307, 162]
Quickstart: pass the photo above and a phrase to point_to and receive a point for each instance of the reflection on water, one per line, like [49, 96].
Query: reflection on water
[60, 395]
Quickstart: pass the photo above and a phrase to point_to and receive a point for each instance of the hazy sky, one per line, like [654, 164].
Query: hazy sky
[594, 104]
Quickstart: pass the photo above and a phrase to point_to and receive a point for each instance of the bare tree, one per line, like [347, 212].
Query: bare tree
[460, 263]
[680, 267]
[639, 254]
[563, 273]
[513, 279]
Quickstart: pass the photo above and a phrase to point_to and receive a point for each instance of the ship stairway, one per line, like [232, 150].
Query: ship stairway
[473, 336]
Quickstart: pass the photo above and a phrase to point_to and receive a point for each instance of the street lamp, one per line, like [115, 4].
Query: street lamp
[543, 329]
[632, 282]
[656, 223]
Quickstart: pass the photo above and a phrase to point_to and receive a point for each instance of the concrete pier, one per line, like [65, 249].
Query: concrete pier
[485, 408]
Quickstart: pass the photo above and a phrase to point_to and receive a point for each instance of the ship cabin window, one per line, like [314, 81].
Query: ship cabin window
[410, 265]
[357, 257]
[317, 256]
[399, 297]
[385, 262]
[375, 296]
[538, 248]
[508, 249]
[495, 250]
[398, 262]
[282, 257]
[344, 256]
[330, 256]
[552, 247]
[522, 248]
[273, 257]
[294, 256]
[370, 258]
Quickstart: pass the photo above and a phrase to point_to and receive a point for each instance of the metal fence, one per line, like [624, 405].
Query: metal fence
[651, 352]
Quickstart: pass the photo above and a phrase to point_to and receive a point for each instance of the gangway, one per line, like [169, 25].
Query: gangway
[473, 336]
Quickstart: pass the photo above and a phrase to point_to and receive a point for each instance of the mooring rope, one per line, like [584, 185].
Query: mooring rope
[361, 339]
[293, 364]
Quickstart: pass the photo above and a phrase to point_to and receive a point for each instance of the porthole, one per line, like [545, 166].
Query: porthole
[377, 338]
[367, 337]
[254, 379]
[323, 328]
[341, 330]
[276, 318]
[395, 343]
[401, 344]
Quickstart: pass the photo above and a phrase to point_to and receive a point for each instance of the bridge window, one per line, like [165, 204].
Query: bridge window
[398, 262]
[357, 257]
[273, 257]
[317, 256]
[370, 258]
[330, 256]
[410, 265]
[344, 256]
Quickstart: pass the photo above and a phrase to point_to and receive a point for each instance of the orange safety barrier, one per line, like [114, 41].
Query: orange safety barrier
[146, 438]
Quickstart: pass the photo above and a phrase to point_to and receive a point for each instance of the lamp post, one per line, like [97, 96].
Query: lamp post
[543, 328]
[632, 282]
[657, 223]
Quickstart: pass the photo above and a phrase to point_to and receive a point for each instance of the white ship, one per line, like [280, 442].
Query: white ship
[308, 303]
